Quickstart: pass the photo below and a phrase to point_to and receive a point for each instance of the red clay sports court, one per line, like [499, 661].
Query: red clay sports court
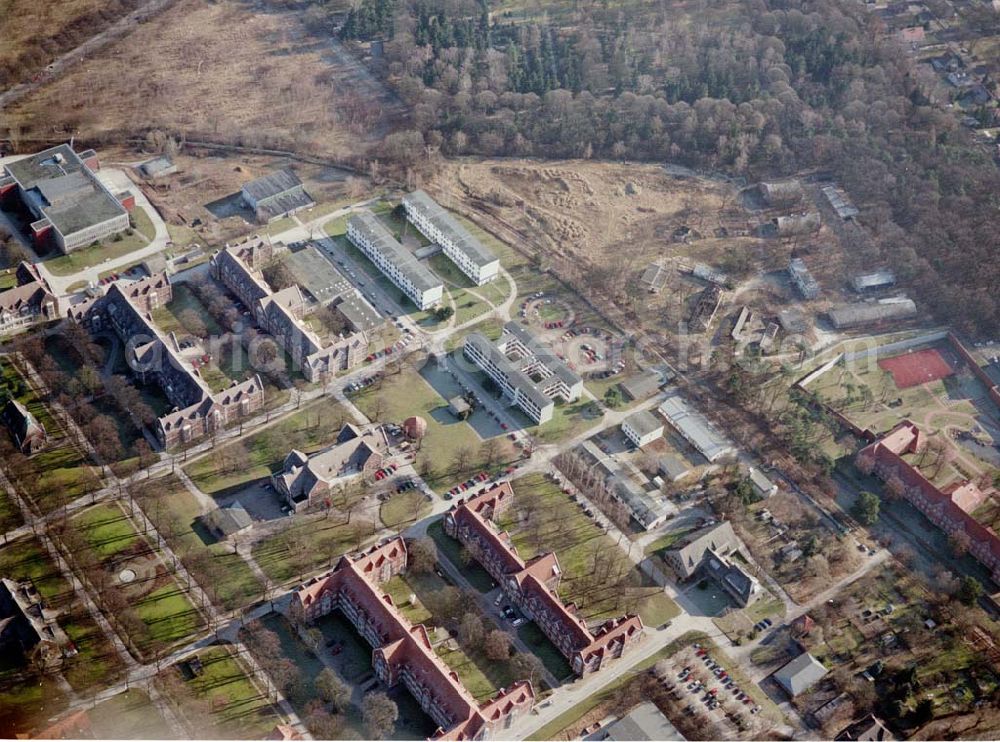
[919, 367]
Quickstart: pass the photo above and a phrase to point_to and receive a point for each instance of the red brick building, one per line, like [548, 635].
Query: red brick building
[950, 508]
[403, 652]
[532, 586]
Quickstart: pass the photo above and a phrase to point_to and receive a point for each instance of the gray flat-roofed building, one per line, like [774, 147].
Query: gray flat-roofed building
[871, 281]
[695, 429]
[782, 193]
[66, 199]
[528, 373]
[762, 486]
[158, 167]
[848, 316]
[654, 277]
[800, 674]
[314, 273]
[642, 385]
[673, 467]
[398, 264]
[802, 278]
[470, 255]
[362, 316]
[840, 202]
[642, 428]
[276, 195]
[644, 723]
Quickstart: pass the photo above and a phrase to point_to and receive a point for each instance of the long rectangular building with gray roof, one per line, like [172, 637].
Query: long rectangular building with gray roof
[70, 205]
[470, 255]
[695, 429]
[398, 264]
[529, 374]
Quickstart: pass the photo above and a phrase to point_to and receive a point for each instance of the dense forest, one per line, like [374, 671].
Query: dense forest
[755, 87]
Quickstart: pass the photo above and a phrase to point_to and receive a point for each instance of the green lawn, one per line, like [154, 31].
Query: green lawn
[281, 225]
[166, 611]
[311, 542]
[309, 429]
[10, 514]
[467, 306]
[168, 317]
[129, 715]
[408, 394]
[667, 540]
[491, 328]
[545, 650]
[478, 577]
[222, 702]
[175, 512]
[110, 249]
[107, 530]
[60, 472]
[404, 508]
[8, 279]
[96, 663]
[543, 518]
[480, 676]
[400, 590]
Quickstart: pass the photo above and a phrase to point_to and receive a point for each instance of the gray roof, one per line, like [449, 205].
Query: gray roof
[731, 576]
[719, 539]
[855, 315]
[272, 184]
[58, 183]
[698, 431]
[673, 467]
[800, 674]
[654, 276]
[873, 280]
[641, 386]
[644, 422]
[802, 278]
[231, 518]
[416, 273]
[358, 312]
[643, 723]
[317, 275]
[544, 353]
[475, 250]
[759, 480]
[647, 509]
[516, 377]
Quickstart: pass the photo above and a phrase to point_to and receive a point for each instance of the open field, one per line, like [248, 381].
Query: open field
[259, 455]
[36, 33]
[268, 80]
[129, 715]
[175, 512]
[222, 702]
[109, 249]
[543, 518]
[164, 612]
[59, 473]
[406, 394]
[310, 542]
[96, 663]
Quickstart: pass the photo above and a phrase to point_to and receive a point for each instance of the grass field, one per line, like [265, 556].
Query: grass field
[129, 715]
[404, 508]
[175, 512]
[478, 577]
[59, 473]
[222, 702]
[168, 317]
[110, 249]
[309, 543]
[162, 606]
[408, 394]
[96, 662]
[543, 518]
[309, 429]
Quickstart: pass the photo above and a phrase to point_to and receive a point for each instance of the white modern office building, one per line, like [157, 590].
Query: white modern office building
[371, 237]
[529, 375]
[470, 255]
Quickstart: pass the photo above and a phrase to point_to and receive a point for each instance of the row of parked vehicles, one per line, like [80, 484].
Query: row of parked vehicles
[478, 479]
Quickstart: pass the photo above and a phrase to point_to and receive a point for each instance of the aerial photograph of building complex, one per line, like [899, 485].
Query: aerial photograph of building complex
[397, 370]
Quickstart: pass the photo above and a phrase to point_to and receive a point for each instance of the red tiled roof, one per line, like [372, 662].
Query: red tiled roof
[405, 644]
[905, 438]
[535, 576]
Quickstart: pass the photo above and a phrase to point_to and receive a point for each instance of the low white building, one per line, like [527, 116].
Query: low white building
[762, 486]
[642, 428]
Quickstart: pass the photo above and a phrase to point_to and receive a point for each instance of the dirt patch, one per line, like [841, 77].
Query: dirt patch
[218, 70]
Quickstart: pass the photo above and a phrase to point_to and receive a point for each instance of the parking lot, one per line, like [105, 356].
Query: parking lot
[706, 691]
